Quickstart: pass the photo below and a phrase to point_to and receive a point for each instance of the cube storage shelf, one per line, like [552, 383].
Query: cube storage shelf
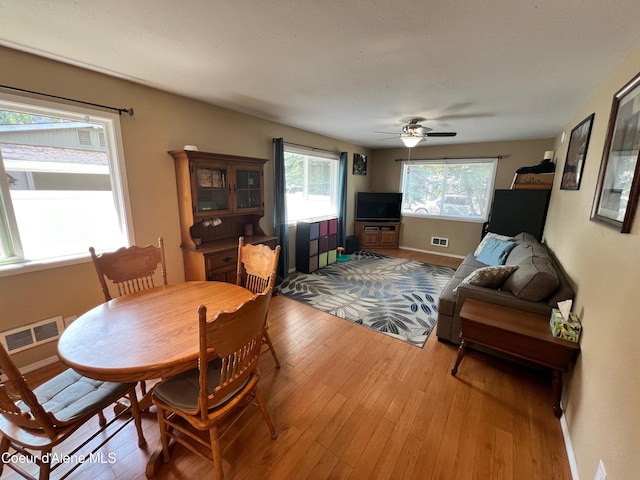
[316, 244]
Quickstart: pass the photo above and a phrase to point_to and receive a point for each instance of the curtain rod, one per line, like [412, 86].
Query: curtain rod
[119, 110]
[444, 158]
[333, 152]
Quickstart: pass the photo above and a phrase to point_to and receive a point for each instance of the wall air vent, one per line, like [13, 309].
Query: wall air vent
[29, 336]
[84, 138]
[440, 241]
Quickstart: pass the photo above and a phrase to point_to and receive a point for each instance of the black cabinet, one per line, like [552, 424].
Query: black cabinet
[515, 211]
[316, 244]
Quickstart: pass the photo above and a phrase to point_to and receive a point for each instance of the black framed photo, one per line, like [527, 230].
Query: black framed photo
[359, 164]
[618, 185]
[576, 154]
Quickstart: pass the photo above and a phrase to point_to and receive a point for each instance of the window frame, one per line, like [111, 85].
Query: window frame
[319, 154]
[493, 161]
[17, 264]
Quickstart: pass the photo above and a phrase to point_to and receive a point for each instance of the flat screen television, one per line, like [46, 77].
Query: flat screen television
[378, 206]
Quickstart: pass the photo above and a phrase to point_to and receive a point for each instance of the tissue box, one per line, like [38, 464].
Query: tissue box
[567, 329]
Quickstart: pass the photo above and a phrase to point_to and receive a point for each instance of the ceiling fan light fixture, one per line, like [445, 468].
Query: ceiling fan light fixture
[410, 141]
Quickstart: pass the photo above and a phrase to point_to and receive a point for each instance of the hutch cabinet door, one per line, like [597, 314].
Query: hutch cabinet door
[248, 189]
[211, 190]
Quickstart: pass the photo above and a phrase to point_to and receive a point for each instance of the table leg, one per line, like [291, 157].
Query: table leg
[461, 351]
[156, 459]
[144, 402]
[556, 383]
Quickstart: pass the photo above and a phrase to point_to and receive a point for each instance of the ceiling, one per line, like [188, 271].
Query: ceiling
[491, 70]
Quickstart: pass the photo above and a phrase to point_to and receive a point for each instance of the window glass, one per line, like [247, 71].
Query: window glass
[311, 184]
[457, 189]
[62, 188]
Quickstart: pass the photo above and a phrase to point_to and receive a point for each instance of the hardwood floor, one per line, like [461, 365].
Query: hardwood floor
[351, 403]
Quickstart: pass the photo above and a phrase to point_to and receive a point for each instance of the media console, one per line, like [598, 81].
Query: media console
[378, 234]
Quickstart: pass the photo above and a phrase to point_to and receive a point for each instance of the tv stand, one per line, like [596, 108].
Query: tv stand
[378, 234]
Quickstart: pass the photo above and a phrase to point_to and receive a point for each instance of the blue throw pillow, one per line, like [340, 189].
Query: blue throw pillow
[495, 251]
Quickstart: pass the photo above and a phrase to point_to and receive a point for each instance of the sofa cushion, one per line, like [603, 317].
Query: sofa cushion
[490, 277]
[447, 301]
[536, 278]
[524, 237]
[495, 251]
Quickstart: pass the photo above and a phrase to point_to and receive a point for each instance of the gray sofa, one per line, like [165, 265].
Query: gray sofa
[536, 286]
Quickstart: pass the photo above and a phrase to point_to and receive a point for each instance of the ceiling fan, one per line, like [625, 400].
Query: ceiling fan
[413, 133]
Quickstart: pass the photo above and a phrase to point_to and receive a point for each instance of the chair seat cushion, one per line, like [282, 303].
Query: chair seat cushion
[69, 395]
[181, 391]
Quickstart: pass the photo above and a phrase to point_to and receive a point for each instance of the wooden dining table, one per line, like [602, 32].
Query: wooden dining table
[145, 335]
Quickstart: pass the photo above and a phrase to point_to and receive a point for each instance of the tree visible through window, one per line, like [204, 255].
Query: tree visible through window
[448, 188]
[60, 183]
[311, 183]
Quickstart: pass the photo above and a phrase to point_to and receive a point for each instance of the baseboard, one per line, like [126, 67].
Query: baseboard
[42, 363]
[431, 252]
[573, 464]
[34, 366]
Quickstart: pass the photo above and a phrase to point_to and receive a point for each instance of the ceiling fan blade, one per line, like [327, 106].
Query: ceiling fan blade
[420, 130]
[390, 138]
[441, 134]
[388, 133]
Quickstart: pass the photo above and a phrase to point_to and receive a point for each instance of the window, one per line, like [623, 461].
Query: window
[311, 182]
[60, 192]
[456, 189]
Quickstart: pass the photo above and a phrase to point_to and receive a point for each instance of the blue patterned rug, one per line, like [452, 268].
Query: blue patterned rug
[395, 296]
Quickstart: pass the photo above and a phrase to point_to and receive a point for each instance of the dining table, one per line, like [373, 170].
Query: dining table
[145, 335]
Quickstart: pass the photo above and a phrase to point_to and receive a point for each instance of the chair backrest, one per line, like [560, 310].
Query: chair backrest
[236, 337]
[257, 266]
[16, 388]
[131, 269]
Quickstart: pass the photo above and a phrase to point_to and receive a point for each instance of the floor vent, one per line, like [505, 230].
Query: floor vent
[439, 241]
[29, 336]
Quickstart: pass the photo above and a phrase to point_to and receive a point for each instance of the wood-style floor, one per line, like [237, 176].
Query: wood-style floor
[351, 403]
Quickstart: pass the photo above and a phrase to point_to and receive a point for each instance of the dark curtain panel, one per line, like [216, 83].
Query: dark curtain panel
[342, 199]
[280, 207]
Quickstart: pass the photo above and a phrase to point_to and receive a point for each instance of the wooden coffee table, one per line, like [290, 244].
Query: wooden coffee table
[519, 333]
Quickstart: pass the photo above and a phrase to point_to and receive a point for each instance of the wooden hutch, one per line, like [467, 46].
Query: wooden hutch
[220, 197]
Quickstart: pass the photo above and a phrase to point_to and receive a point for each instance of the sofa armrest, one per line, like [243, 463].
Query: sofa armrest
[499, 297]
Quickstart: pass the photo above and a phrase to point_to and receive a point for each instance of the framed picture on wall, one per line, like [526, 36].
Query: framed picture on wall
[618, 185]
[359, 164]
[576, 154]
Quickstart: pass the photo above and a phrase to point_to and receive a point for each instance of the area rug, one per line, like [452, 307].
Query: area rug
[395, 296]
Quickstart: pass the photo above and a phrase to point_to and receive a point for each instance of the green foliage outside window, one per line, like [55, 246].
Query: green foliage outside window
[448, 188]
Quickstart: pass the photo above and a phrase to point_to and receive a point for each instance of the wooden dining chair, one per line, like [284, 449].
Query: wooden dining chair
[38, 420]
[131, 269]
[257, 265]
[225, 383]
